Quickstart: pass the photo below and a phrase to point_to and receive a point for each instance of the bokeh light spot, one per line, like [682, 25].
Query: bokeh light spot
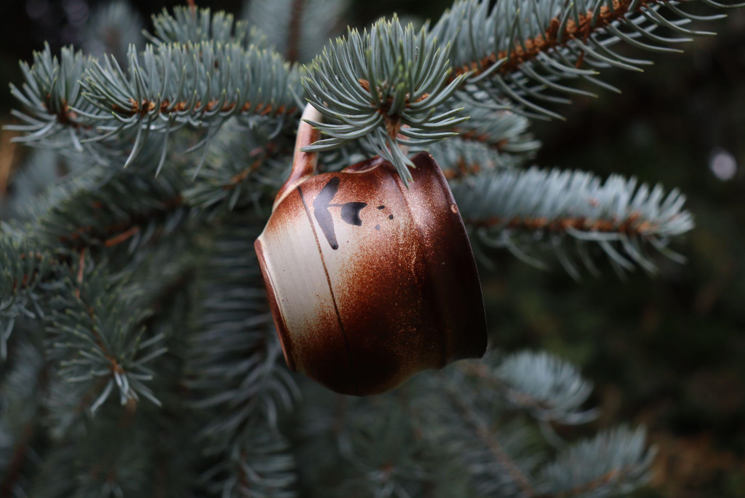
[723, 164]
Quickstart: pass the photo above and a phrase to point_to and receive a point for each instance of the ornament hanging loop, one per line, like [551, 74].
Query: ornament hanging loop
[303, 163]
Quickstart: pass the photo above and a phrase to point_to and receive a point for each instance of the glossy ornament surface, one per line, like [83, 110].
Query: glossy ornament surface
[369, 282]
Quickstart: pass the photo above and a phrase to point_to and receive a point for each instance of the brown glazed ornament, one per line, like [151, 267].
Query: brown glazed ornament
[369, 282]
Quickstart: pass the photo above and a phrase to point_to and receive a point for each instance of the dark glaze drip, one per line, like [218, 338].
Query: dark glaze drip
[322, 214]
[350, 212]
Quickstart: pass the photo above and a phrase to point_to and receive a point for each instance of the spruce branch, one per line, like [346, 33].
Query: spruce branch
[23, 390]
[197, 84]
[23, 271]
[113, 458]
[56, 475]
[293, 40]
[244, 167]
[69, 407]
[505, 131]
[501, 461]
[193, 26]
[52, 99]
[552, 389]
[236, 370]
[160, 286]
[13, 467]
[321, 431]
[522, 51]
[513, 208]
[261, 466]
[614, 462]
[490, 139]
[461, 159]
[388, 456]
[549, 388]
[41, 169]
[112, 29]
[462, 411]
[298, 29]
[76, 103]
[108, 210]
[380, 84]
[96, 336]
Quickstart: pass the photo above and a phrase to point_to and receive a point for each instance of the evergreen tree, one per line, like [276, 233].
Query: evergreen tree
[138, 353]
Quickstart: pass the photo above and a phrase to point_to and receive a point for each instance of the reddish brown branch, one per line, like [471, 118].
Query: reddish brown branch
[27, 279]
[16, 462]
[82, 239]
[146, 106]
[627, 226]
[81, 268]
[65, 115]
[590, 486]
[392, 123]
[115, 367]
[13, 470]
[293, 40]
[482, 372]
[238, 178]
[463, 170]
[112, 235]
[118, 239]
[550, 39]
[68, 117]
[242, 477]
[268, 149]
[492, 443]
[484, 138]
[9, 158]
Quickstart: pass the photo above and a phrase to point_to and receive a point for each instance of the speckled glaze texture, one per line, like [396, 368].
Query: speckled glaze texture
[399, 294]
[370, 282]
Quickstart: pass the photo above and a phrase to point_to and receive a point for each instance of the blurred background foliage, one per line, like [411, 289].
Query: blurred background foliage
[666, 351]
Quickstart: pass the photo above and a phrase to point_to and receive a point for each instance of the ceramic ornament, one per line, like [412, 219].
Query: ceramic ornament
[369, 281]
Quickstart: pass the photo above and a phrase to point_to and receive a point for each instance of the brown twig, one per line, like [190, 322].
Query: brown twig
[146, 106]
[238, 178]
[550, 39]
[8, 158]
[482, 372]
[492, 443]
[392, 123]
[28, 278]
[463, 170]
[118, 239]
[242, 477]
[293, 39]
[589, 486]
[82, 236]
[115, 366]
[13, 470]
[484, 138]
[81, 268]
[16, 462]
[81, 271]
[629, 225]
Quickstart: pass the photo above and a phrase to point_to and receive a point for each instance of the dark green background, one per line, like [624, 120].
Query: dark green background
[666, 351]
